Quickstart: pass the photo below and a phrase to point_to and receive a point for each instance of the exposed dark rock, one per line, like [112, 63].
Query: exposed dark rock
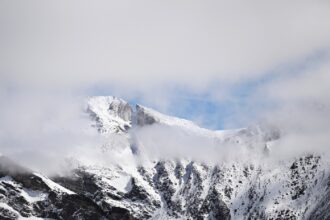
[215, 207]
[142, 117]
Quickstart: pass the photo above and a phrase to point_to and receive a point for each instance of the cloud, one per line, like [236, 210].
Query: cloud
[162, 142]
[40, 130]
[301, 109]
[143, 45]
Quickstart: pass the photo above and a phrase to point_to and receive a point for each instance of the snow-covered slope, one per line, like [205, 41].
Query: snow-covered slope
[172, 187]
[110, 114]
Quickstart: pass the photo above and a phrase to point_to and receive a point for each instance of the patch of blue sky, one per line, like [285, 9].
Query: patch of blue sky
[227, 113]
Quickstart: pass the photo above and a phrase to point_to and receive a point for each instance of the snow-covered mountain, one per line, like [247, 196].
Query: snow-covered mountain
[240, 180]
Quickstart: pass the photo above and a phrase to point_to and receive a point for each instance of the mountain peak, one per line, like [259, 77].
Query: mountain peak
[115, 115]
[111, 114]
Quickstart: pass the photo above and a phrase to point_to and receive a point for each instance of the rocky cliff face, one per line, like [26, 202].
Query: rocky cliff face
[24, 194]
[171, 188]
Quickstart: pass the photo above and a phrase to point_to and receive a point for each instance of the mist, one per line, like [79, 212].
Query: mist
[162, 142]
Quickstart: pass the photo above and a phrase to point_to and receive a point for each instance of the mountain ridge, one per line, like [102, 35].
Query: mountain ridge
[174, 187]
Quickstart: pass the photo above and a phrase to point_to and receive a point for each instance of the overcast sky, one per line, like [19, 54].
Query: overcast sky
[219, 63]
[147, 44]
